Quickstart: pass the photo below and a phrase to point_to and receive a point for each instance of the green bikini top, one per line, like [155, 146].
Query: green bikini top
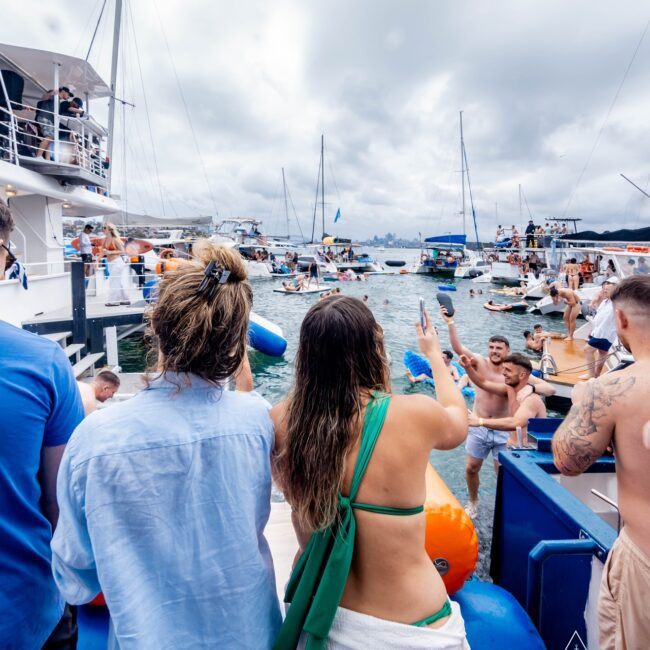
[318, 580]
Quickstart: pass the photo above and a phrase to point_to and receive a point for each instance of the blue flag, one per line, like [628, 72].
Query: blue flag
[338, 215]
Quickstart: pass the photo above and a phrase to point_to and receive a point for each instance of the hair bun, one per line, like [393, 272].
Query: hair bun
[205, 251]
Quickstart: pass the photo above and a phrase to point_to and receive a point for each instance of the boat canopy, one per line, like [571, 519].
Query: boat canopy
[36, 67]
[447, 239]
[624, 235]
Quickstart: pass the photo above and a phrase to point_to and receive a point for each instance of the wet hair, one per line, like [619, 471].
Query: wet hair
[499, 339]
[340, 360]
[449, 354]
[527, 333]
[6, 221]
[108, 377]
[554, 292]
[536, 325]
[202, 333]
[520, 360]
[634, 291]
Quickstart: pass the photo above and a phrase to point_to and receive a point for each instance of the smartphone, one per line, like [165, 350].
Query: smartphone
[423, 320]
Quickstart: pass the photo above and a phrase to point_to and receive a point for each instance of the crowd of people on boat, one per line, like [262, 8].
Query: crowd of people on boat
[160, 501]
[536, 236]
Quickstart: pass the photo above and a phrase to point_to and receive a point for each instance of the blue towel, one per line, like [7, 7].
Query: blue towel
[17, 272]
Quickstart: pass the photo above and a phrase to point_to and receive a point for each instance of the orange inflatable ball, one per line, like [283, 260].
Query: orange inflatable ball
[450, 539]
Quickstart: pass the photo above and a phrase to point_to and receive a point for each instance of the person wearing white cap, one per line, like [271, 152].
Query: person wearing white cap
[603, 331]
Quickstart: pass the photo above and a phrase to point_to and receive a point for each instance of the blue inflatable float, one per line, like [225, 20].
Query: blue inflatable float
[417, 364]
[263, 335]
[447, 287]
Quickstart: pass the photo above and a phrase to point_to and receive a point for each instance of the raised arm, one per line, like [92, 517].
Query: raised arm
[450, 411]
[471, 366]
[588, 428]
[541, 387]
[454, 339]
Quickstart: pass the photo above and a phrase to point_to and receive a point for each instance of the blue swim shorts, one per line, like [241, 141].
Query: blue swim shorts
[599, 344]
[481, 441]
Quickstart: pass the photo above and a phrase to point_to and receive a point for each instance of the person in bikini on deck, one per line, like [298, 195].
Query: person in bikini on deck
[349, 457]
[572, 301]
[614, 410]
[483, 440]
[572, 270]
[523, 402]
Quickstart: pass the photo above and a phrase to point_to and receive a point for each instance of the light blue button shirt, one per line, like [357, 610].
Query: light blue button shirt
[163, 502]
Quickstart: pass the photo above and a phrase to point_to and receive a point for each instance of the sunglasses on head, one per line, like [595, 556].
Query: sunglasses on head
[11, 258]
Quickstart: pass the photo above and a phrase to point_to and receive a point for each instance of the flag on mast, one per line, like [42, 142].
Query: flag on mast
[338, 215]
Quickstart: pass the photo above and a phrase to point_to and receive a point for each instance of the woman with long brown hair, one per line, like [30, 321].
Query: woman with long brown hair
[363, 577]
[164, 497]
[113, 250]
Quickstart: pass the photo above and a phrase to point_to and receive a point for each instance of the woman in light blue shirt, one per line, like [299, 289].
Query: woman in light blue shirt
[164, 497]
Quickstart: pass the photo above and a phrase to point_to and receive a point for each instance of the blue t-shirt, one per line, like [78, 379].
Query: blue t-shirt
[40, 406]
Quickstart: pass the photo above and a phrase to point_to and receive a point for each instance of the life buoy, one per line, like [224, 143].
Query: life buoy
[638, 249]
[617, 249]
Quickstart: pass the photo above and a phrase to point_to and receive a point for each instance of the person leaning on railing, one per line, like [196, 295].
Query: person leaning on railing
[45, 119]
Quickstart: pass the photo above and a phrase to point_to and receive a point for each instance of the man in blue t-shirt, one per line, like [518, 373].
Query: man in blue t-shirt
[41, 407]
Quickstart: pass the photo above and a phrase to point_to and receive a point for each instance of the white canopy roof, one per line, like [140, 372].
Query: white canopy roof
[37, 67]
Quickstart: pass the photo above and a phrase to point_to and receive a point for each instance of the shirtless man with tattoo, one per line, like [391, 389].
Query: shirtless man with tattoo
[482, 440]
[572, 301]
[614, 409]
[523, 402]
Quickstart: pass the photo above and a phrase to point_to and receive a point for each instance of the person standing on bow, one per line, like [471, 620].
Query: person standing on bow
[113, 250]
[350, 456]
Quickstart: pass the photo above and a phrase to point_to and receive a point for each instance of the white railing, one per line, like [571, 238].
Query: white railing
[21, 139]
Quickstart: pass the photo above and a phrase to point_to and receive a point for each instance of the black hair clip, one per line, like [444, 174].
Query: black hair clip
[213, 276]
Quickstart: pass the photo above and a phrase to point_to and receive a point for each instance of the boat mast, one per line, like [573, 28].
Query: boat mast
[322, 182]
[462, 167]
[286, 205]
[521, 218]
[111, 104]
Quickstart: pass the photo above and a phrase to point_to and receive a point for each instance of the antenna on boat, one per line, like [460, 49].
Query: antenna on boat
[635, 185]
[286, 205]
[111, 105]
[322, 184]
[462, 169]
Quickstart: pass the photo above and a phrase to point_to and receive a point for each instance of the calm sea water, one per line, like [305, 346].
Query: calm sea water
[474, 323]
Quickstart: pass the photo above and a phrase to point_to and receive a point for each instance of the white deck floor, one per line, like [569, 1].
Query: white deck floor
[282, 540]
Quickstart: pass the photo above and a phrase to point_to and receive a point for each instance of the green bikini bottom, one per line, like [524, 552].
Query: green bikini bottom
[445, 610]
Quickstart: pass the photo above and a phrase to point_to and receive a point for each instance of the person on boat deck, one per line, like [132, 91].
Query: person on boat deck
[86, 249]
[573, 306]
[613, 410]
[339, 481]
[113, 250]
[499, 234]
[523, 402]
[514, 233]
[164, 497]
[530, 234]
[45, 119]
[104, 385]
[481, 439]
[603, 331]
[41, 406]
[641, 268]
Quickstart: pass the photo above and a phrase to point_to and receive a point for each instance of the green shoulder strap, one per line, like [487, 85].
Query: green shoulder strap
[319, 578]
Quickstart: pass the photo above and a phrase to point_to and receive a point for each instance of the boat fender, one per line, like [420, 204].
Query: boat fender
[450, 538]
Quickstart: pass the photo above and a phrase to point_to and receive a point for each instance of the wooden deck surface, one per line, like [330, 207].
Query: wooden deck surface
[569, 360]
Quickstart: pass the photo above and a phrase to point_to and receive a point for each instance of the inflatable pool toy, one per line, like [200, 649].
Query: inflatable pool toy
[514, 307]
[265, 336]
[447, 287]
[302, 292]
[450, 538]
[418, 364]
[394, 262]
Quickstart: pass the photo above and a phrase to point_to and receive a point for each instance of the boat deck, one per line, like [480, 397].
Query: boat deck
[569, 360]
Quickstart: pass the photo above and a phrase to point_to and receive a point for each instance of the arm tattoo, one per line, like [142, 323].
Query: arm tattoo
[574, 447]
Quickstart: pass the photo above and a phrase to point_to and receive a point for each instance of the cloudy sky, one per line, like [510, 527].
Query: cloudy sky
[236, 91]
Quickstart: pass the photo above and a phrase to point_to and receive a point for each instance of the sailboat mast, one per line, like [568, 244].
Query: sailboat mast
[286, 205]
[521, 220]
[111, 106]
[322, 181]
[462, 167]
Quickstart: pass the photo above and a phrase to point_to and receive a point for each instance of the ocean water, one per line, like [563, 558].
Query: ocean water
[475, 325]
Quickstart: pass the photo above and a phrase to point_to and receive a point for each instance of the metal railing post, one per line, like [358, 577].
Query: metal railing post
[78, 280]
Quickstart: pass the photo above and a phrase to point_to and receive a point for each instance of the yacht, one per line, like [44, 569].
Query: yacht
[442, 255]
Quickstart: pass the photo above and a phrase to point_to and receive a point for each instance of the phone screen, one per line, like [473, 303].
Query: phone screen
[423, 321]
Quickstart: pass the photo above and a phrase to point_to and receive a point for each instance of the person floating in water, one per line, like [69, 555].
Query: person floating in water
[341, 462]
